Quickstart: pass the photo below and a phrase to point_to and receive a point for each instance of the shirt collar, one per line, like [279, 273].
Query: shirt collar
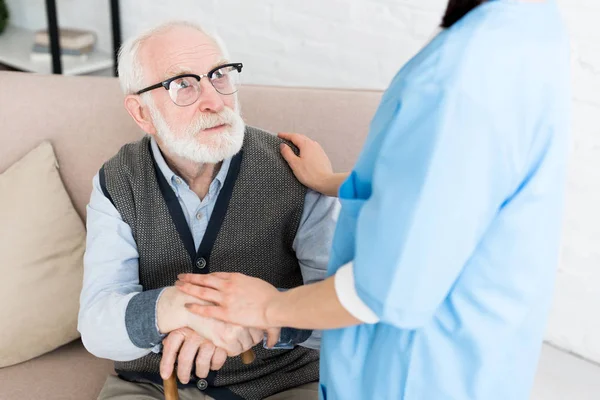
[175, 180]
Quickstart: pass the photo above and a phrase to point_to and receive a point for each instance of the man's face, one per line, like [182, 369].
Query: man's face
[206, 131]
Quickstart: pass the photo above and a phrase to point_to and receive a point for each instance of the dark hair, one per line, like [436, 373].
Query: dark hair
[457, 9]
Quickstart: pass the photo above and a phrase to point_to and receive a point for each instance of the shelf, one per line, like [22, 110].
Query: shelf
[15, 49]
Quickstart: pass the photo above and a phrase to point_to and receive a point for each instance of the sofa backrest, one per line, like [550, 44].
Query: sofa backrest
[84, 119]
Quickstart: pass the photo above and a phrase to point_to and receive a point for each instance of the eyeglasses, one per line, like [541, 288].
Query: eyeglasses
[185, 90]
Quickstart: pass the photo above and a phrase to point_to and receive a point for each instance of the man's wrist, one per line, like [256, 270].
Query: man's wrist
[170, 314]
[140, 319]
[162, 314]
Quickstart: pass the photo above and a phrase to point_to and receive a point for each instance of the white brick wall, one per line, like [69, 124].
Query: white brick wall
[575, 320]
[326, 43]
[361, 44]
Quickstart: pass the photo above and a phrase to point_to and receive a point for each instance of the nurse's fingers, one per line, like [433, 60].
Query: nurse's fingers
[295, 138]
[200, 292]
[214, 280]
[288, 155]
[215, 312]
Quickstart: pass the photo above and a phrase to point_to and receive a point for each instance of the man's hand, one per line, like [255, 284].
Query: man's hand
[172, 315]
[232, 338]
[186, 346]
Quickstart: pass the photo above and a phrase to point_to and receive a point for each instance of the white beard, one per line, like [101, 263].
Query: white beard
[190, 144]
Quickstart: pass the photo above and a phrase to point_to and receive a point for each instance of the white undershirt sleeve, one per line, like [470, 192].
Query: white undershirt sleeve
[346, 293]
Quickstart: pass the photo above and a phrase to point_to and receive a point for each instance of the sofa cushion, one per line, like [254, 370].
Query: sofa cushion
[41, 252]
[67, 373]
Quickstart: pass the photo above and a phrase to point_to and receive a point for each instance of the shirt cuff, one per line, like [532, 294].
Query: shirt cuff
[141, 321]
[347, 295]
[294, 336]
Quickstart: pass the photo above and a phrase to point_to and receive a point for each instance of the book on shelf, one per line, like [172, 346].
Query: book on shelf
[71, 52]
[47, 57]
[68, 38]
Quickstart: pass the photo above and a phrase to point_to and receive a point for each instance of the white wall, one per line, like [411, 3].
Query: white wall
[335, 43]
[575, 320]
[360, 44]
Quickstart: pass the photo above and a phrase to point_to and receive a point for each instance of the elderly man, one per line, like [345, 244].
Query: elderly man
[200, 193]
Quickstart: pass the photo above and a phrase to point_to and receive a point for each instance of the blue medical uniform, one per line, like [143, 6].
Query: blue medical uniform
[452, 215]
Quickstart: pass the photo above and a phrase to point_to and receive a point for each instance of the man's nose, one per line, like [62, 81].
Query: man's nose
[210, 100]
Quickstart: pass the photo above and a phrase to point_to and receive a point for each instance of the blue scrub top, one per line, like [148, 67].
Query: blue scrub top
[452, 215]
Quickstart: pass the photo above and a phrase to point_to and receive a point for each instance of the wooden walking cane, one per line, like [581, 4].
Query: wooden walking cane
[170, 384]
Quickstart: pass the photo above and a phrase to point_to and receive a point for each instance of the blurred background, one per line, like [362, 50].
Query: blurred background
[353, 44]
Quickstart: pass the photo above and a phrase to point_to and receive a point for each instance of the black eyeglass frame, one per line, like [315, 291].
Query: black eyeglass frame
[166, 83]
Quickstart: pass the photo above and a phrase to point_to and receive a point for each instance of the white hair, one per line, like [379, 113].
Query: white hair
[131, 73]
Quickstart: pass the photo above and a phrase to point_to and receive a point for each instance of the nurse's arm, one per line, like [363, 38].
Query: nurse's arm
[315, 306]
[248, 301]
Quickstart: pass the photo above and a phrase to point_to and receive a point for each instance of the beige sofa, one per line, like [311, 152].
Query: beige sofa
[84, 119]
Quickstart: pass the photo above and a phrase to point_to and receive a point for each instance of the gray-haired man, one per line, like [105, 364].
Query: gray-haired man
[200, 193]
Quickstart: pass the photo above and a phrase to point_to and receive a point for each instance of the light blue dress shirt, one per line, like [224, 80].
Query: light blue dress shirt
[111, 260]
[452, 215]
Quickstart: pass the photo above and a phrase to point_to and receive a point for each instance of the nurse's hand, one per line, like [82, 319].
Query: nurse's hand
[236, 298]
[312, 167]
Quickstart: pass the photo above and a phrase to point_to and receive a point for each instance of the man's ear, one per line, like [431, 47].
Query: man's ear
[139, 113]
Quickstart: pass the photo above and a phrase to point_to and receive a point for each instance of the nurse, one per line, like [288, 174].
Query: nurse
[443, 262]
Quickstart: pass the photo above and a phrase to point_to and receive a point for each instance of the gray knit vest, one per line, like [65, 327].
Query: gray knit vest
[251, 231]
